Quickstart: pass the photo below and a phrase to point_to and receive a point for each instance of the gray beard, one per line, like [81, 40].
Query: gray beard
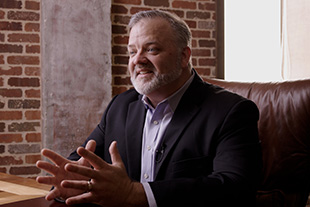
[148, 86]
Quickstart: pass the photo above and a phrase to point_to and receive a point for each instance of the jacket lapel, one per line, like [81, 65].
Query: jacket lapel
[187, 109]
[134, 130]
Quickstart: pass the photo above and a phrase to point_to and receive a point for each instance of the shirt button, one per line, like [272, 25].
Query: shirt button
[146, 176]
[149, 148]
[155, 122]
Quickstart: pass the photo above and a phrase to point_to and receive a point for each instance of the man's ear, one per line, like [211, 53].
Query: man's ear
[186, 54]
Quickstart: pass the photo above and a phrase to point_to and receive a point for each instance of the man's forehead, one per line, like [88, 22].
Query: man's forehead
[151, 28]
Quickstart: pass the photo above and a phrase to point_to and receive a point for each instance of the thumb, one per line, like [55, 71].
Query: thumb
[115, 156]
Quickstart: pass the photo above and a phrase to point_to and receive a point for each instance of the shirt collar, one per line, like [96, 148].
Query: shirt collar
[173, 100]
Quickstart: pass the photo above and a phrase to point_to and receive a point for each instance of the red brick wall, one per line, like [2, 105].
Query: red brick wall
[20, 104]
[20, 71]
[200, 16]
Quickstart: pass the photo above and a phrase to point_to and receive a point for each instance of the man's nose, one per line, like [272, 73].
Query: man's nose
[139, 58]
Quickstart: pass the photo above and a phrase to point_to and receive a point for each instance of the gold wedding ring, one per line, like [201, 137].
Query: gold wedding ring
[89, 186]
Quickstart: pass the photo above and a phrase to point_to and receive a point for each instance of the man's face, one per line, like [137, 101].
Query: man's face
[154, 59]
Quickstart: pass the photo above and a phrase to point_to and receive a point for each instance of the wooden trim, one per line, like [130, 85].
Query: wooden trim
[220, 58]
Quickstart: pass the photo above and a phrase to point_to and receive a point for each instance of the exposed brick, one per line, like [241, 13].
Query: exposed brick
[33, 115]
[33, 137]
[117, 9]
[24, 82]
[134, 10]
[32, 5]
[121, 39]
[194, 61]
[32, 159]
[10, 160]
[121, 60]
[2, 104]
[9, 138]
[8, 48]
[191, 24]
[134, 2]
[2, 37]
[2, 169]
[10, 4]
[32, 71]
[119, 50]
[11, 71]
[25, 104]
[2, 127]
[121, 19]
[122, 81]
[201, 52]
[118, 90]
[23, 127]
[11, 26]
[194, 43]
[22, 15]
[164, 3]
[11, 92]
[119, 70]
[207, 43]
[201, 34]
[207, 62]
[11, 115]
[32, 27]
[2, 149]
[32, 38]
[207, 6]
[206, 25]
[33, 49]
[179, 13]
[198, 15]
[117, 29]
[24, 60]
[184, 4]
[1, 81]
[29, 170]
[32, 93]
[24, 148]
[203, 71]
[1, 59]
[2, 13]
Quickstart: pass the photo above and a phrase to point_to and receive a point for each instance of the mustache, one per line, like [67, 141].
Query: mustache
[147, 66]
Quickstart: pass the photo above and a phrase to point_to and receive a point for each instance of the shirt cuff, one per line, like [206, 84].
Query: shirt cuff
[149, 195]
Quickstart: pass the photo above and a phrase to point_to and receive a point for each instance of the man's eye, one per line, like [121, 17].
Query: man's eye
[152, 50]
[131, 53]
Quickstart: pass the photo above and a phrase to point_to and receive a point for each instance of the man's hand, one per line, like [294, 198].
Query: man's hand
[59, 173]
[110, 184]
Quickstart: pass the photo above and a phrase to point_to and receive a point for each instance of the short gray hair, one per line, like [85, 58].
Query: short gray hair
[181, 29]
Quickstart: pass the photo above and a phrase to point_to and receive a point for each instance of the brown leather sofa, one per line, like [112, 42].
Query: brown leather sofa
[284, 131]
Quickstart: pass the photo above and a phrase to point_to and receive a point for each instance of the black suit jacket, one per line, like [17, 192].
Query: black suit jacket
[209, 155]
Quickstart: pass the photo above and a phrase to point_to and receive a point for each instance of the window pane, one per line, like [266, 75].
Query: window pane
[252, 40]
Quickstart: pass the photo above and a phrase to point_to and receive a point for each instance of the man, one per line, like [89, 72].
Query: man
[180, 141]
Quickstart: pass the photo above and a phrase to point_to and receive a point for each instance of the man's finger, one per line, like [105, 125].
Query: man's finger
[115, 155]
[92, 158]
[48, 180]
[80, 185]
[52, 194]
[91, 145]
[54, 157]
[47, 167]
[82, 198]
[81, 170]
